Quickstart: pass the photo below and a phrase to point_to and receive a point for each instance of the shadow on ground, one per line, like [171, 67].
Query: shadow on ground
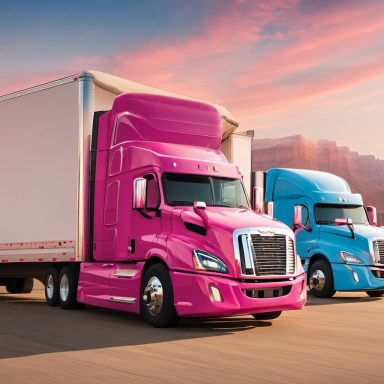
[28, 326]
[312, 301]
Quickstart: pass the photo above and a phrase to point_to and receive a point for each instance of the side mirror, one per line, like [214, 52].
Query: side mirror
[199, 205]
[297, 215]
[343, 221]
[139, 193]
[270, 208]
[258, 199]
[349, 223]
[199, 208]
[372, 215]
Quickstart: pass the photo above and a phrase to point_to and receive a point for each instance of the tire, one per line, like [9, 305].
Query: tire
[375, 293]
[51, 288]
[68, 280]
[20, 285]
[156, 297]
[320, 279]
[267, 315]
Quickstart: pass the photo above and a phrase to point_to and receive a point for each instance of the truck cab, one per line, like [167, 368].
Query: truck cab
[337, 237]
[173, 231]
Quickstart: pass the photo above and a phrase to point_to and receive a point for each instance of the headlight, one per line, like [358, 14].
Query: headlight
[347, 257]
[299, 266]
[204, 261]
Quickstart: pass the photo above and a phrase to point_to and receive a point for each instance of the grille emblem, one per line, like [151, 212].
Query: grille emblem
[267, 233]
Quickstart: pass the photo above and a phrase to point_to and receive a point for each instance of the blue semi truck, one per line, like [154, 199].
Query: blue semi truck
[337, 237]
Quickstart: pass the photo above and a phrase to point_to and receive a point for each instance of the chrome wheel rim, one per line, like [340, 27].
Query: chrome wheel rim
[50, 287]
[64, 288]
[154, 296]
[317, 280]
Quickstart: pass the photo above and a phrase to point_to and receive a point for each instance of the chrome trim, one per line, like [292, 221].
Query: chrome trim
[50, 286]
[139, 193]
[317, 280]
[154, 296]
[64, 288]
[125, 300]
[86, 107]
[248, 250]
[372, 250]
[128, 273]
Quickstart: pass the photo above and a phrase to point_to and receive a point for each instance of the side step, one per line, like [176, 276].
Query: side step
[126, 300]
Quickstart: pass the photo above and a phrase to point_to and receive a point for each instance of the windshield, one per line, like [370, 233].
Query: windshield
[328, 213]
[214, 191]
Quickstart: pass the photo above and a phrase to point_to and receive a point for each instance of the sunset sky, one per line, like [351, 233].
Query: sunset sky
[310, 67]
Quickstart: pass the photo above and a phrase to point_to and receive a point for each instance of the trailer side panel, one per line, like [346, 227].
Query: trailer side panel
[39, 160]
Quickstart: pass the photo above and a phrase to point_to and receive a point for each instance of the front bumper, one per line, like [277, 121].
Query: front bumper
[192, 296]
[344, 280]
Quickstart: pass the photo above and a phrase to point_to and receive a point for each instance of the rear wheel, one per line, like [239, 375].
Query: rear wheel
[156, 302]
[68, 280]
[321, 279]
[267, 315]
[375, 293]
[19, 285]
[52, 288]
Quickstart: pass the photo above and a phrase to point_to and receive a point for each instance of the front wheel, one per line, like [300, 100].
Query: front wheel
[156, 303]
[375, 293]
[321, 279]
[267, 315]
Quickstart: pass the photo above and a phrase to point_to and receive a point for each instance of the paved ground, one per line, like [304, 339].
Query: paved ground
[340, 340]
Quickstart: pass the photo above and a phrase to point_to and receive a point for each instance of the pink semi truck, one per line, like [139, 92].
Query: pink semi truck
[117, 195]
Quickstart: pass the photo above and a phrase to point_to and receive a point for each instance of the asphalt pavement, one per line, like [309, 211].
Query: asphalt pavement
[338, 340]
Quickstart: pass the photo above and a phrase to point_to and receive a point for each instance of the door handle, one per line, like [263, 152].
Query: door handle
[107, 265]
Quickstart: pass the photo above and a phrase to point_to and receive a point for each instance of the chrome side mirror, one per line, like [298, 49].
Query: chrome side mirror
[372, 215]
[297, 215]
[139, 193]
[199, 205]
[343, 221]
[258, 199]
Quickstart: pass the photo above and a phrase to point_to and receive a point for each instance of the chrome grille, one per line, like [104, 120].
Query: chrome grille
[290, 256]
[378, 246]
[266, 255]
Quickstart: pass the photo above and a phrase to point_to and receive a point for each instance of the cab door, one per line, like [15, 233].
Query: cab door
[306, 237]
[143, 229]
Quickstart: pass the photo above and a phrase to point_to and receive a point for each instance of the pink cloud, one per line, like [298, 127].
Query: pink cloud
[188, 64]
[276, 95]
[318, 39]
